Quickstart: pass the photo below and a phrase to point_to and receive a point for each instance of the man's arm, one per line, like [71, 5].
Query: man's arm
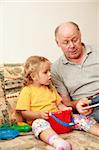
[78, 104]
[68, 102]
[63, 107]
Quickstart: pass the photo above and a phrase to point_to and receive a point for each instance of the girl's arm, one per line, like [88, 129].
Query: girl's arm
[29, 115]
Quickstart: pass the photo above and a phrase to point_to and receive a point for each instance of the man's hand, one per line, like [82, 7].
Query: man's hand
[81, 104]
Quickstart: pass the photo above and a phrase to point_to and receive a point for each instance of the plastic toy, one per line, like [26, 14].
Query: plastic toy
[21, 128]
[94, 103]
[10, 132]
[6, 134]
[61, 122]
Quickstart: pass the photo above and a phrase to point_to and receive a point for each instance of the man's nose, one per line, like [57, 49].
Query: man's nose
[71, 44]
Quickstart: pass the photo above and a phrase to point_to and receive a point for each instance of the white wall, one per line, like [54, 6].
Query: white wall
[27, 27]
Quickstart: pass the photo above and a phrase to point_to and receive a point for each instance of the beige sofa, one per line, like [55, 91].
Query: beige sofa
[11, 76]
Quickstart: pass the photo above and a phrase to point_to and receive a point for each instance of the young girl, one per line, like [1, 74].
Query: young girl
[38, 97]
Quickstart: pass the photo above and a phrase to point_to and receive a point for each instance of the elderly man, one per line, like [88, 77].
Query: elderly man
[76, 73]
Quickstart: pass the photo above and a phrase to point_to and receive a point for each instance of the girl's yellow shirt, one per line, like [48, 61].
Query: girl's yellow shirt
[38, 99]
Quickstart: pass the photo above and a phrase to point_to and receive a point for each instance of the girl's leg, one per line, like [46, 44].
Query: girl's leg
[49, 136]
[43, 130]
[87, 124]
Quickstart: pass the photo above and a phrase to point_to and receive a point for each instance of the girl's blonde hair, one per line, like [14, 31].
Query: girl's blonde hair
[32, 64]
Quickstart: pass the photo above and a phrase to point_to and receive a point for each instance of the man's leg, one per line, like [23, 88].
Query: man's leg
[95, 114]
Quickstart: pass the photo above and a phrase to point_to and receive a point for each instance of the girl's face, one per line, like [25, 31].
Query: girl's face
[43, 77]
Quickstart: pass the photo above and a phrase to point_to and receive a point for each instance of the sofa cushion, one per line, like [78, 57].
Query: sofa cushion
[4, 116]
[11, 77]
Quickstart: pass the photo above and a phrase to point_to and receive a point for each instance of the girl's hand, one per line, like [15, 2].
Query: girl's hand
[44, 115]
[81, 104]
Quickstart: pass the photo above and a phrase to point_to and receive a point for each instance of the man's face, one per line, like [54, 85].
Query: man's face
[69, 40]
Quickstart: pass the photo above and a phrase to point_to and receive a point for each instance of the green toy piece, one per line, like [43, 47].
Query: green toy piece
[20, 128]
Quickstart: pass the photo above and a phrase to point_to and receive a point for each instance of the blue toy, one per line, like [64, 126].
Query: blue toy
[10, 132]
[6, 134]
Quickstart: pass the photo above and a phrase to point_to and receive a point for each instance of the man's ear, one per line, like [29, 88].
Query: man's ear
[57, 43]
